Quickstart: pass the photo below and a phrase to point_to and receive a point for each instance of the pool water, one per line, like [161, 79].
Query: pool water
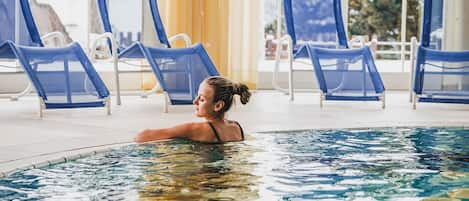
[375, 164]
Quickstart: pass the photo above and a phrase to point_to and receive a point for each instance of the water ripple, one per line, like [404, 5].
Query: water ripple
[365, 164]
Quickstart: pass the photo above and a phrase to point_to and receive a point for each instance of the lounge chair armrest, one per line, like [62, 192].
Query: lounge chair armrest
[184, 36]
[54, 35]
[106, 35]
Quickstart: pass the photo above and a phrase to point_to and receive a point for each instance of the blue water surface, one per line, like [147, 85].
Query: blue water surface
[365, 164]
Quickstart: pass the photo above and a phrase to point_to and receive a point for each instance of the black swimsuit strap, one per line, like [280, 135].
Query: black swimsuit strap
[241, 128]
[218, 136]
[215, 132]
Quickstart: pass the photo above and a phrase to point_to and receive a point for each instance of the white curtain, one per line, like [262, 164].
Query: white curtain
[244, 40]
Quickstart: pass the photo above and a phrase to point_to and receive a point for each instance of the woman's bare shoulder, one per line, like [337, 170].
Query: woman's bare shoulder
[192, 128]
[194, 125]
[233, 124]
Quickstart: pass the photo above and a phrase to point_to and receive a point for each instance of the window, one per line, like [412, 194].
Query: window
[270, 28]
[377, 22]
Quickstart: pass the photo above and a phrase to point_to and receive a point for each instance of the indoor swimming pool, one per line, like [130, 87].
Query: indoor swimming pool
[357, 164]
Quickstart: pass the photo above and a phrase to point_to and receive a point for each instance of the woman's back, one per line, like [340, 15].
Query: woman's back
[228, 131]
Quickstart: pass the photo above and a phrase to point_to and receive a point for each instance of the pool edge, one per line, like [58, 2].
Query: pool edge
[57, 157]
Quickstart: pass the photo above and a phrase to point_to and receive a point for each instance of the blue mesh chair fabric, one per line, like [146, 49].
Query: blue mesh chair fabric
[6, 50]
[346, 74]
[432, 24]
[158, 23]
[312, 22]
[317, 31]
[440, 76]
[7, 32]
[7, 20]
[30, 24]
[63, 77]
[179, 71]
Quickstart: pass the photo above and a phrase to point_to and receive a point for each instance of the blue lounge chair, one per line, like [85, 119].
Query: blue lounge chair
[346, 74]
[122, 37]
[179, 71]
[440, 76]
[63, 77]
[307, 22]
[312, 25]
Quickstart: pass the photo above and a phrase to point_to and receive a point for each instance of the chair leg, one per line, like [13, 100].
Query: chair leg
[166, 102]
[383, 100]
[411, 97]
[413, 50]
[116, 71]
[108, 105]
[42, 107]
[321, 99]
[414, 101]
[290, 80]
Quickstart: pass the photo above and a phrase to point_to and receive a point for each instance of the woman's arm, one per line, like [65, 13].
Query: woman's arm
[181, 131]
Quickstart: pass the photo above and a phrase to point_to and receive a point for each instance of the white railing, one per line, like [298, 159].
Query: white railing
[375, 46]
[396, 44]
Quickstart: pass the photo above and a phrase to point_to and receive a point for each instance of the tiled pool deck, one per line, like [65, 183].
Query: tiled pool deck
[26, 139]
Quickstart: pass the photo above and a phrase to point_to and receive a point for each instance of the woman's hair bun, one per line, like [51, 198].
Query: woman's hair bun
[243, 91]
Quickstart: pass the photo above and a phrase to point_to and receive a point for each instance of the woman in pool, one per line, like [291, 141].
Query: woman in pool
[214, 99]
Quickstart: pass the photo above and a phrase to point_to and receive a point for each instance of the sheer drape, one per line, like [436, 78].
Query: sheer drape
[230, 30]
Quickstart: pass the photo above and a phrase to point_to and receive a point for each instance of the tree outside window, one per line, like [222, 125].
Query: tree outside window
[381, 19]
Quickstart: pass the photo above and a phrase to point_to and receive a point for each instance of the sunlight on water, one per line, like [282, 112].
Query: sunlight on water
[383, 164]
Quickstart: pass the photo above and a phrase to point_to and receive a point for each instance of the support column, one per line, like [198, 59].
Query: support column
[456, 25]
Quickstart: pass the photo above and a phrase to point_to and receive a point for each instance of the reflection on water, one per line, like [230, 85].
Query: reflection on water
[199, 172]
[385, 164]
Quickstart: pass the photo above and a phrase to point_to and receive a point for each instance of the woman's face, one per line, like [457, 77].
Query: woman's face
[204, 105]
